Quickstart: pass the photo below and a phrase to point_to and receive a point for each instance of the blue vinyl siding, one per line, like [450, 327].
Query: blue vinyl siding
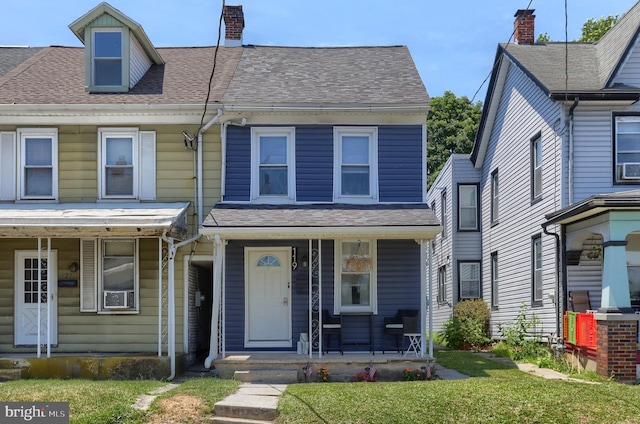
[314, 163]
[400, 172]
[238, 167]
[400, 156]
[398, 288]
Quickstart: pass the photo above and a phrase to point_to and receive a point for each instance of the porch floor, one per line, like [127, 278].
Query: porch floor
[389, 366]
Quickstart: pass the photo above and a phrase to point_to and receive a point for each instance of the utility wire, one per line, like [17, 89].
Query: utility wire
[497, 62]
[193, 144]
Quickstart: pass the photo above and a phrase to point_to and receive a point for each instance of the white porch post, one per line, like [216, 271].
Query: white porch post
[49, 297]
[39, 326]
[159, 296]
[217, 295]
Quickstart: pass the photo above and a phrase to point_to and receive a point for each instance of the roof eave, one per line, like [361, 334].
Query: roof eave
[414, 232]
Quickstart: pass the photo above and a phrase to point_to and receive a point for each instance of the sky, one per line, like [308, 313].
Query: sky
[452, 42]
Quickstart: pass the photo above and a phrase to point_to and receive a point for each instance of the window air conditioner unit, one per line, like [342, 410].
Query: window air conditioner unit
[631, 171]
[119, 299]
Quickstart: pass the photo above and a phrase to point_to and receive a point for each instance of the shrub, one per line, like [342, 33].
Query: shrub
[521, 337]
[468, 327]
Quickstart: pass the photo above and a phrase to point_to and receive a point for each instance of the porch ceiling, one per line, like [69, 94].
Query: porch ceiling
[93, 220]
[392, 221]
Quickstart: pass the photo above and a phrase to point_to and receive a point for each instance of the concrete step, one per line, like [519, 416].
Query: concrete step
[227, 420]
[267, 376]
[253, 407]
[10, 374]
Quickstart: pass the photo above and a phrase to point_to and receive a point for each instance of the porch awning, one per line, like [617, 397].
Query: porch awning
[392, 221]
[93, 220]
[594, 205]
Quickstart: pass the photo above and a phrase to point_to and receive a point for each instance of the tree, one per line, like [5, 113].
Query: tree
[451, 128]
[593, 30]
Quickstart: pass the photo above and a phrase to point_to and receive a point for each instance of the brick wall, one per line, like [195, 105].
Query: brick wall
[616, 350]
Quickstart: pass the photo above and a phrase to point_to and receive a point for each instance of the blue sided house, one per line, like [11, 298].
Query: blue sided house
[322, 227]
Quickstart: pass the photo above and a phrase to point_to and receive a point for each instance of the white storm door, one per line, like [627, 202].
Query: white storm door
[27, 300]
[268, 297]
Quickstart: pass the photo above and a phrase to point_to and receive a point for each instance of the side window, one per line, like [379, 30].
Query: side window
[355, 276]
[495, 197]
[469, 280]
[38, 152]
[494, 279]
[442, 278]
[536, 270]
[468, 207]
[127, 164]
[443, 212]
[536, 167]
[273, 168]
[355, 176]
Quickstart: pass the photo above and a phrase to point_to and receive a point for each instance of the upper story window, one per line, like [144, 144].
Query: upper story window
[468, 207]
[107, 57]
[355, 164]
[495, 197]
[355, 276]
[443, 212]
[38, 159]
[273, 165]
[536, 167]
[627, 149]
[127, 164]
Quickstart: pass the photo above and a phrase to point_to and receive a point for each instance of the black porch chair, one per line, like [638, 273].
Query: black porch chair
[395, 328]
[331, 326]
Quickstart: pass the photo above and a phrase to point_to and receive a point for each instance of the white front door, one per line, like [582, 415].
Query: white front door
[268, 297]
[28, 301]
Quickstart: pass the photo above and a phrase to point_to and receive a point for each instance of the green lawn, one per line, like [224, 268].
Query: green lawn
[496, 394]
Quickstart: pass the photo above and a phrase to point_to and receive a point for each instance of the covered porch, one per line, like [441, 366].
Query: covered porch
[87, 289]
[601, 267]
[336, 270]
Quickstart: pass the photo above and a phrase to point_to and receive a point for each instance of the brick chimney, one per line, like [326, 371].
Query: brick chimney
[523, 26]
[234, 24]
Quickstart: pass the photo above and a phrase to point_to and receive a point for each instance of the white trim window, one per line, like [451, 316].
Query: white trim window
[495, 197]
[355, 172]
[442, 278]
[469, 275]
[107, 57]
[127, 159]
[536, 274]
[273, 164]
[627, 149]
[109, 276]
[38, 159]
[536, 167]
[494, 279]
[355, 276]
[468, 207]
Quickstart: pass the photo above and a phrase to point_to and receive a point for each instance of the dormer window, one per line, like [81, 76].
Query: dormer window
[118, 53]
[107, 57]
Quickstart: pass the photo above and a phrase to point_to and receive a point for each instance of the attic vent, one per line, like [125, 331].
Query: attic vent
[631, 171]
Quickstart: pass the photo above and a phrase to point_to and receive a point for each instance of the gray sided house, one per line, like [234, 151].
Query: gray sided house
[100, 201]
[456, 261]
[322, 228]
[559, 163]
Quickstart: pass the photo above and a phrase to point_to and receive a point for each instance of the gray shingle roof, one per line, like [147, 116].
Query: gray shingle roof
[55, 75]
[591, 65]
[333, 75]
[320, 216]
[11, 57]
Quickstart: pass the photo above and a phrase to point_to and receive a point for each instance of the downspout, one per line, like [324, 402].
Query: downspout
[199, 175]
[171, 318]
[570, 177]
[559, 311]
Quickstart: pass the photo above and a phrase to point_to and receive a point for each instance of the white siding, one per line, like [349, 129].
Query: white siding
[139, 63]
[524, 111]
[629, 74]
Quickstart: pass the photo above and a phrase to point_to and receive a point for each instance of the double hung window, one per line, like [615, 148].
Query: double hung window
[468, 207]
[627, 149]
[536, 167]
[536, 274]
[469, 277]
[38, 176]
[107, 57]
[355, 279]
[273, 168]
[356, 164]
